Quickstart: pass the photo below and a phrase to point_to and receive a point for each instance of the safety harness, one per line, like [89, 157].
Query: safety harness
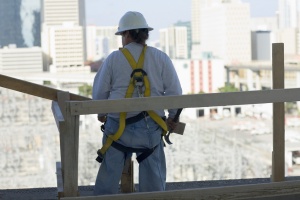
[138, 80]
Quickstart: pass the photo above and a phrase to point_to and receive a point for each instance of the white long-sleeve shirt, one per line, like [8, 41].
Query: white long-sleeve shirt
[112, 80]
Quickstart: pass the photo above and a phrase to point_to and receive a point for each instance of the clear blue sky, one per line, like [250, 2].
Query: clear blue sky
[159, 13]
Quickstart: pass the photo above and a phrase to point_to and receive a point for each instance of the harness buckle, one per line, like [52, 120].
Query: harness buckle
[138, 81]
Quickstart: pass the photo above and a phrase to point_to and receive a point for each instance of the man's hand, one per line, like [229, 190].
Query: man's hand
[102, 118]
[171, 124]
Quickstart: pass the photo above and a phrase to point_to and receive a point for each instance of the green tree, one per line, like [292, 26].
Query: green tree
[85, 90]
[290, 107]
[229, 87]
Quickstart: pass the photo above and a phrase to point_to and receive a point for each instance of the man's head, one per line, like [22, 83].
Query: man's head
[133, 28]
[132, 20]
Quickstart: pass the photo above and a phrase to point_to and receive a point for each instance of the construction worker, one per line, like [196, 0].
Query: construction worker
[155, 76]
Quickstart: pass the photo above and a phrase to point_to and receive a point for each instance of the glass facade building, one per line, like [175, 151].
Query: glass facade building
[20, 23]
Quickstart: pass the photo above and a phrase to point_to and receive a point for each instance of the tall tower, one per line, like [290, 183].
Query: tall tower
[196, 27]
[196, 24]
[226, 31]
[20, 23]
[63, 32]
[289, 13]
[101, 41]
[189, 35]
[56, 13]
[173, 41]
[11, 33]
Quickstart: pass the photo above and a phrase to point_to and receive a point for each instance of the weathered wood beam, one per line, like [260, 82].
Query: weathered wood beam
[60, 114]
[230, 192]
[34, 89]
[59, 179]
[185, 101]
[278, 160]
[69, 154]
[127, 182]
[58, 117]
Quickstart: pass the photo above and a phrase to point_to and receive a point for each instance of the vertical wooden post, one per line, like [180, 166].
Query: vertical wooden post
[127, 183]
[278, 158]
[59, 178]
[62, 97]
[69, 136]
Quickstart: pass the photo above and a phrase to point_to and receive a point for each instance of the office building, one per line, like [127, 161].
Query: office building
[291, 39]
[261, 45]
[189, 35]
[101, 41]
[17, 60]
[56, 13]
[63, 33]
[289, 11]
[225, 32]
[66, 47]
[200, 75]
[20, 23]
[196, 25]
[173, 41]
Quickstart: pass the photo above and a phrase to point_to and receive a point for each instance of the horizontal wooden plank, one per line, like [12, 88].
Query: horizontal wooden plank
[185, 101]
[34, 89]
[229, 192]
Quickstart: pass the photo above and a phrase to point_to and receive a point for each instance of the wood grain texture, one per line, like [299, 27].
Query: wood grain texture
[127, 181]
[217, 193]
[70, 146]
[56, 111]
[59, 180]
[34, 89]
[278, 157]
[185, 101]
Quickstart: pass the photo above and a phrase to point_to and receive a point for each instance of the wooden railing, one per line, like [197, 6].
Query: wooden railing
[58, 98]
[67, 108]
[35, 89]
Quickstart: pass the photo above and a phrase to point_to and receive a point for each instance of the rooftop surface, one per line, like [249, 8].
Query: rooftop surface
[51, 193]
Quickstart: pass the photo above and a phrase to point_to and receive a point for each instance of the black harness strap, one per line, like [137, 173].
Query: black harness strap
[144, 155]
[133, 119]
[136, 118]
[144, 152]
[140, 158]
[130, 120]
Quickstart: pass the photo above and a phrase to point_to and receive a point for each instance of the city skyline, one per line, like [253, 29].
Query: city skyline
[158, 13]
[97, 12]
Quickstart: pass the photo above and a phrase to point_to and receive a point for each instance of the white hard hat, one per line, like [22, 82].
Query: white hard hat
[132, 20]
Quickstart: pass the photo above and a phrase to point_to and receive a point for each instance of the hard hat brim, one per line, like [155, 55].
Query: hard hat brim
[122, 30]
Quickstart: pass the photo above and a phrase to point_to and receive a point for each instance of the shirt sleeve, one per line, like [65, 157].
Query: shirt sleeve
[102, 83]
[171, 83]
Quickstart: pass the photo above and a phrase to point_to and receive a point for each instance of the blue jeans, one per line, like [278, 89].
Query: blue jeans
[152, 170]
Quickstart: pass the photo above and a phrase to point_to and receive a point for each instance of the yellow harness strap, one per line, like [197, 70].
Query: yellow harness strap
[129, 93]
